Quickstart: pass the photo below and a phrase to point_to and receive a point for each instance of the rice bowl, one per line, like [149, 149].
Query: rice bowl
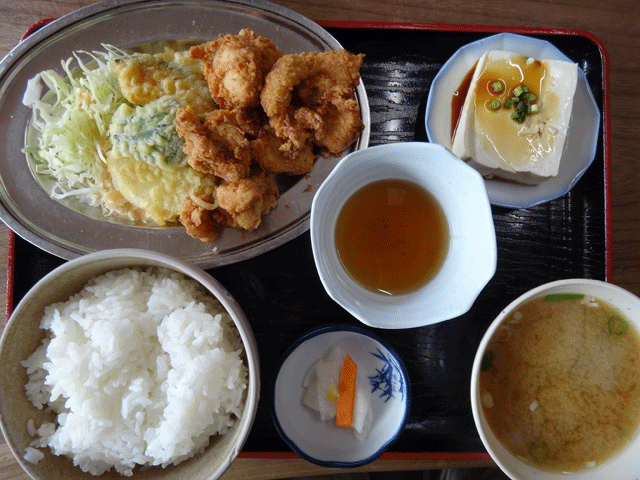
[162, 389]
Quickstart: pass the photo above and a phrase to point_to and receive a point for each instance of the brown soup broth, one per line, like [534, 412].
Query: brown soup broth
[561, 386]
[392, 236]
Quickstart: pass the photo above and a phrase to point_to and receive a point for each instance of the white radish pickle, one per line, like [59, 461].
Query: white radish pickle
[330, 378]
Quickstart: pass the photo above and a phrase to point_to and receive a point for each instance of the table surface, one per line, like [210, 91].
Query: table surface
[615, 23]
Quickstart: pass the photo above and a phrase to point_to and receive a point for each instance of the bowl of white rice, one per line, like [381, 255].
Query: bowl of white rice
[127, 363]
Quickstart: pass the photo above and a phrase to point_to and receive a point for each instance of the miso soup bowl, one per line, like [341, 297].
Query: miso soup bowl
[623, 464]
[470, 261]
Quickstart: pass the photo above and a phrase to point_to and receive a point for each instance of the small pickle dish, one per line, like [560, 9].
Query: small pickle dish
[307, 391]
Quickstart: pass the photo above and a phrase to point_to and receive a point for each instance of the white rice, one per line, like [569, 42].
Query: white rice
[33, 455]
[141, 367]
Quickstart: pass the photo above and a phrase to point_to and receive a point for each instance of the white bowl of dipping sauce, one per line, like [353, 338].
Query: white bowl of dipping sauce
[423, 214]
[567, 386]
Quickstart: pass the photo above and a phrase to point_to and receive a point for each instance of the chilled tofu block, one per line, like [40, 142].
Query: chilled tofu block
[515, 116]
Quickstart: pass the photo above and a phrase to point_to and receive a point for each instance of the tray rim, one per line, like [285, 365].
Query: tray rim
[350, 24]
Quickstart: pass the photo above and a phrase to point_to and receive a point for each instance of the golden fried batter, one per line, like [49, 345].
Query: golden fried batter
[250, 120]
[267, 152]
[341, 127]
[248, 199]
[287, 73]
[335, 75]
[278, 113]
[199, 221]
[215, 146]
[235, 66]
[304, 91]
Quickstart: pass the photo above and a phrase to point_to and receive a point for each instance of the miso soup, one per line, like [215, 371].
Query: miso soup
[560, 382]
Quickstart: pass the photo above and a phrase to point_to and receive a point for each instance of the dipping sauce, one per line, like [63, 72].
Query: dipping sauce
[560, 382]
[392, 236]
[509, 73]
[457, 100]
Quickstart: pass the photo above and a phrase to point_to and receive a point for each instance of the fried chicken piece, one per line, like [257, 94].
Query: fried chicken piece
[331, 91]
[335, 75]
[285, 75]
[216, 146]
[277, 110]
[298, 127]
[295, 123]
[199, 221]
[235, 67]
[248, 199]
[298, 92]
[267, 152]
[250, 120]
[341, 128]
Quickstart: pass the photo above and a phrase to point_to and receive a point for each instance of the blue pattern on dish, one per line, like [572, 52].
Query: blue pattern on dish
[387, 379]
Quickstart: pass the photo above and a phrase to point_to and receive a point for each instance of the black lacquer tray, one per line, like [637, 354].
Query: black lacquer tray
[281, 292]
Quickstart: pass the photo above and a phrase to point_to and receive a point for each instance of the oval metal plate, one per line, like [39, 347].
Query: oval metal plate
[69, 232]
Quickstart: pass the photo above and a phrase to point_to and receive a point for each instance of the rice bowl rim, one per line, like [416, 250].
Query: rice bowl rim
[623, 463]
[140, 258]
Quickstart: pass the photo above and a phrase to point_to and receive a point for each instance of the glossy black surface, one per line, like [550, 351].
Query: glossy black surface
[281, 292]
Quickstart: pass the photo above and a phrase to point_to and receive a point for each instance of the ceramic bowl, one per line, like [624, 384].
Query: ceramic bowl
[379, 369]
[22, 336]
[582, 138]
[623, 464]
[471, 258]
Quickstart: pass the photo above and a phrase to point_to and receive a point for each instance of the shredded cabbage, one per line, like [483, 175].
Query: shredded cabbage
[72, 119]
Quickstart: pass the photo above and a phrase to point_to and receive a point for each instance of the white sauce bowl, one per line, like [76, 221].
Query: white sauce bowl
[470, 262]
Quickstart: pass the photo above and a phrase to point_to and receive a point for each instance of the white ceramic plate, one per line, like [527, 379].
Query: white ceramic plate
[582, 138]
[320, 442]
[70, 230]
[471, 259]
